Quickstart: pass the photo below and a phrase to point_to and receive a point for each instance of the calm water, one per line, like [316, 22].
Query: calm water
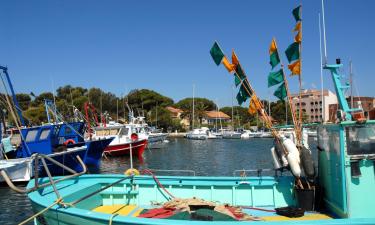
[211, 157]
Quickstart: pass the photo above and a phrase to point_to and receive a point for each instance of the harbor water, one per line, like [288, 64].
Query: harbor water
[220, 157]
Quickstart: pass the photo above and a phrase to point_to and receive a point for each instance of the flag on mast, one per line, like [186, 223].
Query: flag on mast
[274, 55]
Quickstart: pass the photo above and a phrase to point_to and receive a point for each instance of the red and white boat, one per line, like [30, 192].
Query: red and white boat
[125, 140]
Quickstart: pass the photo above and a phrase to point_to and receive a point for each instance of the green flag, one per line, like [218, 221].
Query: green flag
[297, 13]
[244, 92]
[240, 72]
[275, 78]
[240, 99]
[237, 81]
[216, 53]
[274, 59]
[247, 87]
[280, 92]
[292, 52]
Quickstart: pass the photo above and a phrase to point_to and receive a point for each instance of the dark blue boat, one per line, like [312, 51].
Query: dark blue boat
[61, 141]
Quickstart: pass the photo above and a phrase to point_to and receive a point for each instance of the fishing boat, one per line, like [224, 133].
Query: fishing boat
[125, 138]
[61, 140]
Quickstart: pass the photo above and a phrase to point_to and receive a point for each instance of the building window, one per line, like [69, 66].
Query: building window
[303, 110]
[320, 102]
[312, 110]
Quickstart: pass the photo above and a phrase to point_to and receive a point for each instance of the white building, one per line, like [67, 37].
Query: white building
[313, 105]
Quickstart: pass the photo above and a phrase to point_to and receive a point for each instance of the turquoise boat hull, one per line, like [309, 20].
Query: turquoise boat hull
[261, 192]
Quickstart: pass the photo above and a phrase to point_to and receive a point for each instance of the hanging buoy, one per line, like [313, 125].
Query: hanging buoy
[131, 172]
[293, 156]
[305, 139]
[294, 165]
[307, 163]
[281, 154]
[276, 162]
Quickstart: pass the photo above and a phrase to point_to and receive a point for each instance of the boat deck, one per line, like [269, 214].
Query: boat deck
[135, 211]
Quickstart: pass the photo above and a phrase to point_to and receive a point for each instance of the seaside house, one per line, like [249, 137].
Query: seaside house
[176, 113]
[211, 117]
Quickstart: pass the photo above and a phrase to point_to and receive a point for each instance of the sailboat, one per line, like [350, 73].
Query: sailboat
[231, 133]
[197, 133]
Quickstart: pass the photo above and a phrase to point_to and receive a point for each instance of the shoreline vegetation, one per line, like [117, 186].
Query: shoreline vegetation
[143, 102]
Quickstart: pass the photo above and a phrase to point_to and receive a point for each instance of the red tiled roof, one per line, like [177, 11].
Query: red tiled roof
[174, 110]
[216, 114]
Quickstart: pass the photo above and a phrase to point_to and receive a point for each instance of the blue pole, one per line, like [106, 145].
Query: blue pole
[19, 112]
[339, 90]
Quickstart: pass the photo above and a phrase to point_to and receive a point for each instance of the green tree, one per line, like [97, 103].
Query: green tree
[40, 98]
[146, 100]
[24, 100]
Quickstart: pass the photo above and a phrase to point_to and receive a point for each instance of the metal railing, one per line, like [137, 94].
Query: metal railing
[243, 172]
[51, 182]
[168, 171]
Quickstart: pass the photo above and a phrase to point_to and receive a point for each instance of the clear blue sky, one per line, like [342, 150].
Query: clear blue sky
[164, 45]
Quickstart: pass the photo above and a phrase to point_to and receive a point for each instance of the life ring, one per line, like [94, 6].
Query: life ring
[134, 136]
[69, 142]
[131, 172]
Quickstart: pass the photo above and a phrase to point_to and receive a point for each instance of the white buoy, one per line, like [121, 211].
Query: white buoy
[293, 156]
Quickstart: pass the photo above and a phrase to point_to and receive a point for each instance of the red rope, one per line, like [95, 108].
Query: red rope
[147, 171]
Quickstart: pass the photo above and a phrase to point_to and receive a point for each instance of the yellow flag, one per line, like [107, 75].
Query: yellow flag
[252, 105]
[230, 67]
[298, 37]
[295, 67]
[298, 26]
[273, 47]
[235, 61]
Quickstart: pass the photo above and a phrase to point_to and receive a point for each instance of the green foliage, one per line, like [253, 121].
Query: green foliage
[161, 117]
[146, 100]
[24, 100]
[241, 116]
[35, 115]
[40, 98]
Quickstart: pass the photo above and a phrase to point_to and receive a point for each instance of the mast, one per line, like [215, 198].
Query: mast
[321, 72]
[351, 84]
[232, 111]
[192, 127]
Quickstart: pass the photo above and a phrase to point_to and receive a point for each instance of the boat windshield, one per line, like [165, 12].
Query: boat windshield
[361, 139]
[124, 131]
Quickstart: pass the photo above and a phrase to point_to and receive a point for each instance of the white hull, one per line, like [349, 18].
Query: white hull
[18, 170]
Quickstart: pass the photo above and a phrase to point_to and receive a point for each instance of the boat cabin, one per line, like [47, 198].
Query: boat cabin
[346, 168]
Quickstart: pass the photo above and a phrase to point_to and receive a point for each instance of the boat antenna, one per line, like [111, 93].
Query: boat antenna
[324, 35]
[321, 71]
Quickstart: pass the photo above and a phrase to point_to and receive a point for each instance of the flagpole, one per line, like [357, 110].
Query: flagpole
[300, 86]
[288, 94]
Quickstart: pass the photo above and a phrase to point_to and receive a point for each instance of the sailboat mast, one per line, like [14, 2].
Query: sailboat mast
[232, 111]
[193, 109]
[351, 85]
